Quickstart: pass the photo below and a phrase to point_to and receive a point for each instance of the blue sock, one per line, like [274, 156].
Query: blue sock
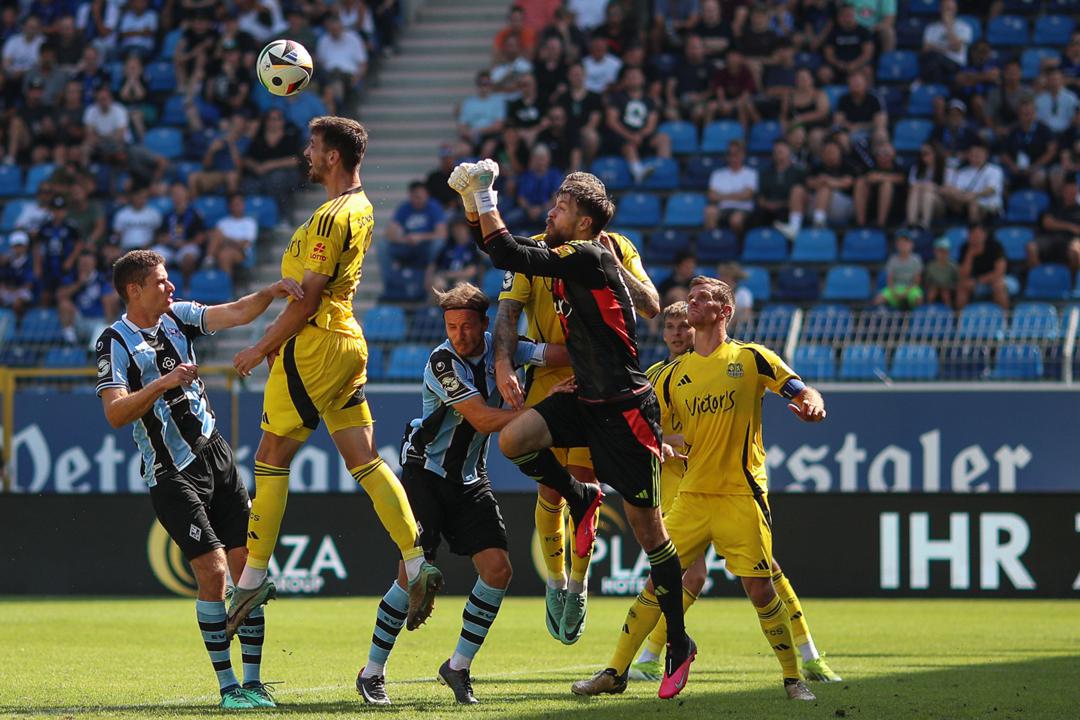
[388, 623]
[252, 633]
[212, 617]
[480, 611]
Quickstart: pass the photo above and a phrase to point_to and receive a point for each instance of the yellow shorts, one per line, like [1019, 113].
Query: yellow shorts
[317, 374]
[538, 390]
[669, 483]
[738, 526]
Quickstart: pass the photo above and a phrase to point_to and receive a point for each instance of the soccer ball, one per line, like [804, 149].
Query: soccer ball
[284, 67]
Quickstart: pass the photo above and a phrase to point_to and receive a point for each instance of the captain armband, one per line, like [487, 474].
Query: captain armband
[792, 387]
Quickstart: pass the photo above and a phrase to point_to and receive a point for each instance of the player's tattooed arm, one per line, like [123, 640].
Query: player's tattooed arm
[644, 296]
[506, 339]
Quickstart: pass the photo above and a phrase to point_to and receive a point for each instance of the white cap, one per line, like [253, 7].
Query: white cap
[18, 237]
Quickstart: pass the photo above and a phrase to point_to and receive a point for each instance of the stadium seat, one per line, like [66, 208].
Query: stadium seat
[301, 108]
[759, 283]
[965, 362]
[827, 323]
[1062, 7]
[931, 322]
[910, 134]
[407, 363]
[1018, 362]
[834, 93]
[685, 210]
[894, 98]
[921, 101]
[613, 171]
[981, 321]
[637, 210]
[1014, 240]
[1025, 206]
[814, 245]
[264, 209]
[810, 60]
[699, 169]
[814, 362]
[923, 7]
[1035, 321]
[879, 324]
[797, 284]
[717, 246]
[492, 282]
[12, 210]
[1048, 282]
[36, 175]
[1022, 7]
[773, 323]
[169, 43]
[973, 22]
[385, 323]
[182, 170]
[634, 236]
[909, 33]
[684, 137]
[210, 287]
[762, 136]
[1007, 31]
[664, 174]
[652, 353]
[863, 245]
[173, 113]
[165, 141]
[664, 246]
[66, 357]
[161, 78]
[898, 66]
[39, 325]
[19, 356]
[847, 282]
[403, 284]
[376, 363]
[914, 362]
[1031, 61]
[7, 325]
[861, 361]
[718, 134]
[162, 203]
[764, 244]
[211, 207]
[427, 325]
[11, 183]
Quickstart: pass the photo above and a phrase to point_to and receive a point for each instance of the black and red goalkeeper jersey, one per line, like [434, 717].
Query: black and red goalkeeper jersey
[593, 305]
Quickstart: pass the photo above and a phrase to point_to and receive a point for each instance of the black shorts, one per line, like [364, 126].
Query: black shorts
[1053, 248]
[468, 516]
[205, 506]
[623, 438]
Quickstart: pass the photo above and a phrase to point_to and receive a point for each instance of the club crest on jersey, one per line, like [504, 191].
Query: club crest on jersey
[564, 250]
[450, 383]
[318, 252]
[735, 370]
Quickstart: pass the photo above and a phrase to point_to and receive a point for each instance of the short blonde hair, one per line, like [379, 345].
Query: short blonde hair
[465, 296]
[719, 289]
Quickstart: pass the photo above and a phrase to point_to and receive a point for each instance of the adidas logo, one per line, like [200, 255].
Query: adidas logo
[781, 646]
[252, 535]
[266, 418]
[684, 380]
[763, 565]
[643, 495]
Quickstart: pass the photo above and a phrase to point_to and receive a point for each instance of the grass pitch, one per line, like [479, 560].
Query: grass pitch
[900, 659]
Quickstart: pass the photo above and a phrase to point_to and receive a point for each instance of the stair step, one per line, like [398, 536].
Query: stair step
[445, 44]
[470, 28]
[375, 113]
[459, 61]
[424, 78]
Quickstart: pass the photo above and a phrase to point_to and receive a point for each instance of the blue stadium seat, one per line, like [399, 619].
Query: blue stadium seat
[847, 282]
[613, 171]
[861, 361]
[36, 175]
[210, 287]
[173, 113]
[165, 141]
[264, 209]
[716, 246]
[1025, 206]
[923, 7]
[1049, 282]
[909, 33]
[797, 284]
[718, 134]
[301, 108]
[19, 356]
[762, 136]
[427, 324]
[162, 203]
[1053, 30]
[910, 134]
[12, 210]
[827, 323]
[169, 43]
[894, 98]
[898, 66]
[773, 323]
[1062, 7]
[1018, 362]
[1007, 31]
[664, 246]
[1031, 61]
[931, 322]
[965, 362]
[652, 353]
[385, 323]
[11, 183]
[921, 101]
[834, 93]
[814, 245]
[814, 362]
[765, 244]
[403, 284]
[492, 282]
[161, 78]
[684, 137]
[972, 21]
[634, 236]
[1035, 321]
[7, 325]
[663, 176]
[637, 210]
[39, 325]
[376, 363]
[66, 357]
[1014, 240]
[699, 169]
[810, 60]
[1022, 7]
[212, 208]
[759, 283]
[182, 170]
[981, 321]
[685, 210]
[864, 245]
[914, 362]
[407, 363]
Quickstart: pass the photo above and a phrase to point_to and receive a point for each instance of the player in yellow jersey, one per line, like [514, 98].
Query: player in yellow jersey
[318, 368]
[566, 602]
[715, 396]
[679, 338]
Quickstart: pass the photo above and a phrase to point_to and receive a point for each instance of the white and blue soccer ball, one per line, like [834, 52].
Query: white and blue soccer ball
[284, 67]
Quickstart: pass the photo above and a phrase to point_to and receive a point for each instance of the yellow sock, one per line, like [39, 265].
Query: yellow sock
[549, 526]
[391, 505]
[641, 618]
[579, 566]
[267, 509]
[658, 637]
[777, 628]
[800, 631]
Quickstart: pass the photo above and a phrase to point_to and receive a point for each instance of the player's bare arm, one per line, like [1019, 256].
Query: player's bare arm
[505, 339]
[242, 311]
[808, 405]
[642, 292]
[122, 407]
[290, 322]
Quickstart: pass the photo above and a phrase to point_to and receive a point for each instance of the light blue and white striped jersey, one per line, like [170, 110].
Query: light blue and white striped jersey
[180, 421]
[443, 441]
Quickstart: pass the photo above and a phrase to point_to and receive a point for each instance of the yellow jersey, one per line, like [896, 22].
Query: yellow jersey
[333, 242]
[715, 402]
[672, 471]
[542, 321]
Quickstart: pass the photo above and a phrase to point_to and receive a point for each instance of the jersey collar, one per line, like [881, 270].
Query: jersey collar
[151, 331]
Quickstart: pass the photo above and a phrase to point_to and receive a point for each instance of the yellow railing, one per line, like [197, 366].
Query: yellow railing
[9, 384]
